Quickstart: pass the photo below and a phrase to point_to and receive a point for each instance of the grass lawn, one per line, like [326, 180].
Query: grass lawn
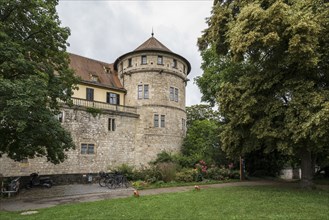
[221, 203]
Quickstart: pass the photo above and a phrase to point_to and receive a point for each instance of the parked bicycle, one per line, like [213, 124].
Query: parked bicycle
[12, 186]
[113, 180]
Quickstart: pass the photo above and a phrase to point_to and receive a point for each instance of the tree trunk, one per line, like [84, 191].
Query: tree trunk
[307, 168]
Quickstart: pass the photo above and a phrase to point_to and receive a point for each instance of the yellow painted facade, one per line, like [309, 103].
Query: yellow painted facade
[99, 93]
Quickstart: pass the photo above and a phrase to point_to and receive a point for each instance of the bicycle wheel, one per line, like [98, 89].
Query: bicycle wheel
[125, 182]
[102, 181]
[110, 183]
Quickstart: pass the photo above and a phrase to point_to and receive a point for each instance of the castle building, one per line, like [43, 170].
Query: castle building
[123, 113]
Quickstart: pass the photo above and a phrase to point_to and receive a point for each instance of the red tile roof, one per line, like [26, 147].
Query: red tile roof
[87, 68]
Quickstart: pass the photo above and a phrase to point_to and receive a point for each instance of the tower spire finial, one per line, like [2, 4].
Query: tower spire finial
[152, 32]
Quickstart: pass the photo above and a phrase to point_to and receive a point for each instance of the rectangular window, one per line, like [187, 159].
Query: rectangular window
[174, 63]
[163, 117]
[176, 95]
[146, 91]
[171, 93]
[144, 60]
[111, 124]
[140, 91]
[129, 62]
[143, 91]
[87, 149]
[113, 98]
[156, 120]
[160, 60]
[90, 94]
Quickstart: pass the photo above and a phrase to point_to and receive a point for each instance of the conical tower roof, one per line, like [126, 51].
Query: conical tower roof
[152, 44]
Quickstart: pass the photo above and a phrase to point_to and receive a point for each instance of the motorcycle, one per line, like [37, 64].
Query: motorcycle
[36, 180]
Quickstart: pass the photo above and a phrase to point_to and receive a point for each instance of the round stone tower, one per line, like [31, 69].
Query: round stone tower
[155, 80]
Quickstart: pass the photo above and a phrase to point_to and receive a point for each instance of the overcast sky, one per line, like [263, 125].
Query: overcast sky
[104, 30]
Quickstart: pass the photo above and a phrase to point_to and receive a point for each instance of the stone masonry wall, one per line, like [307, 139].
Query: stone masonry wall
[112, 148]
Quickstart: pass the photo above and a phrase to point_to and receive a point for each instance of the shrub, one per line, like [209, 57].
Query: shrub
[150, 174]
[125, 169]
[221, 173]
[167, 171]
[186, 161]
[140, 184]
[186, 175]
[163, 157]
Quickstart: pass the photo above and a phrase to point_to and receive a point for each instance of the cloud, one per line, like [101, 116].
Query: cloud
[104, 30]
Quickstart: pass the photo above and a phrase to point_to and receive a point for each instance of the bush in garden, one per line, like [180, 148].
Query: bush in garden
[222, 173]
[167, 171]
[140, 184]
[125, 169]
[150, 174]
[163, 157]
[186, 175]
[186, 161]
[201, 169]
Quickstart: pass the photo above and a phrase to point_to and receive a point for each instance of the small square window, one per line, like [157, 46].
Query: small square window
[113, 98]
[87, 149]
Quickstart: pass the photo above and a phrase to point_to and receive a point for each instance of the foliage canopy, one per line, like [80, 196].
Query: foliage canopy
[34, 78]
[266, 64]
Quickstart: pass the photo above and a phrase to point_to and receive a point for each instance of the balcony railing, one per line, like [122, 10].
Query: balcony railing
[103, 105]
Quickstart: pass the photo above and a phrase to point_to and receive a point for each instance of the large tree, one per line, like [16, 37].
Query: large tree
[34, 79]
[266, 64]
[201, 112]
[202, 136]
